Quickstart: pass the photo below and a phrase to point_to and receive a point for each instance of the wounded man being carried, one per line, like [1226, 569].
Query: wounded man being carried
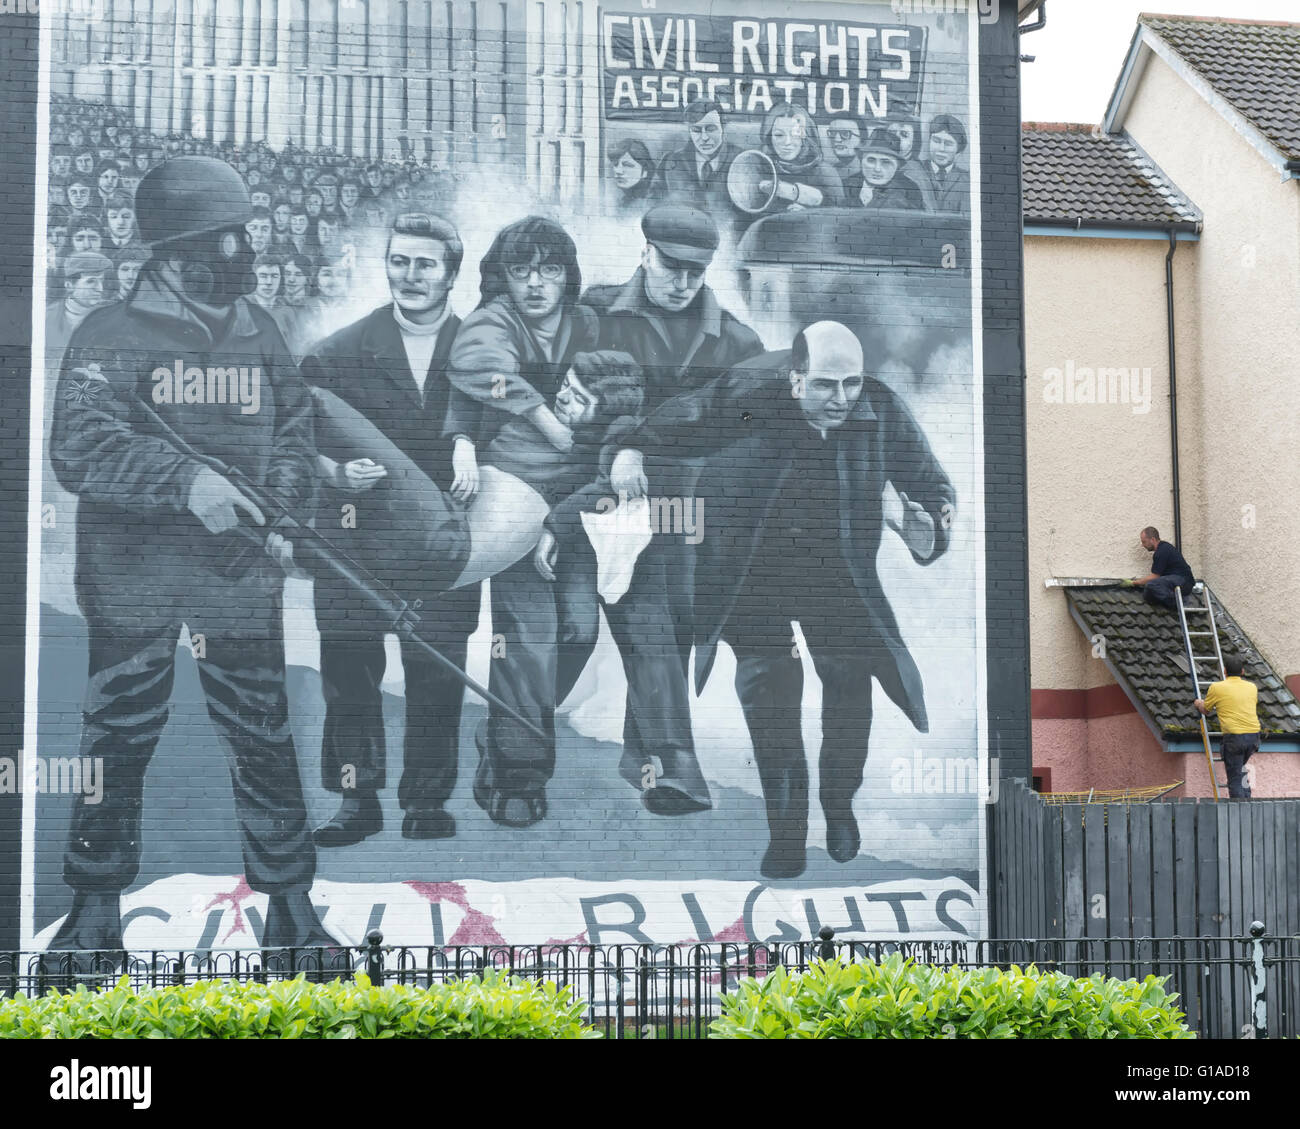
[522, 474]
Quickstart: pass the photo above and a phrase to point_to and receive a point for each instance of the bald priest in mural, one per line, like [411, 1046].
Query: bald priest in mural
[819, 443]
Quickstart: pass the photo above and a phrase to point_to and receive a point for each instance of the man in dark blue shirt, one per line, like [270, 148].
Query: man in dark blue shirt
[1168, 571]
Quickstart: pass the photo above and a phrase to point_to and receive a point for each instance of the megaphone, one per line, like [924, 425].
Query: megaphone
[749, 171]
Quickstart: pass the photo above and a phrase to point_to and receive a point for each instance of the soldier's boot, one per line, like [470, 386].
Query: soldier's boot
[291, 923]
[94, 923]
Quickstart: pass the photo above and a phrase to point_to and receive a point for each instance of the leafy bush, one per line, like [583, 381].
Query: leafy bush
[898, 999]
[494, 1007]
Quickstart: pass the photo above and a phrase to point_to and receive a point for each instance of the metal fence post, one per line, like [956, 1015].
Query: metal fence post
[1259, 1005]
[827, 947]
[643, 1001]
[375, 958]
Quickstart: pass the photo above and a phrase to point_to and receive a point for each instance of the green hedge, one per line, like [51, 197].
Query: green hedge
[494, 1007]
[898, 999]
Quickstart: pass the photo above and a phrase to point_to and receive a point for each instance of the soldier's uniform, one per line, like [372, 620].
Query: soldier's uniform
[145, 564]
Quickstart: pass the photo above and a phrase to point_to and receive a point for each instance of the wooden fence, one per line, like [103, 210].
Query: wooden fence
[1171, 868]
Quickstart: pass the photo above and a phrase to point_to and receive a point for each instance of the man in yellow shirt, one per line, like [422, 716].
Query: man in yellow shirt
[1237, 703]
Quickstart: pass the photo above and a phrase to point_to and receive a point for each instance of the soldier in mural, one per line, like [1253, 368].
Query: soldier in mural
[156, 545]
[820, 439]
[391, 367]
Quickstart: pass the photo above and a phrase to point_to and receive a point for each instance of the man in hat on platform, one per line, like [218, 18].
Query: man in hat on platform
[880, 183]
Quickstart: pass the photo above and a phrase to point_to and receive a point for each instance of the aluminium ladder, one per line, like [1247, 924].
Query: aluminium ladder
[1199, 675]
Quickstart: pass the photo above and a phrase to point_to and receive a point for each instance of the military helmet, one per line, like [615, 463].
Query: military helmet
[189, 196]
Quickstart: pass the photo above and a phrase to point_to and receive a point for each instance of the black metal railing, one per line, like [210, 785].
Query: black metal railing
[1230, 987]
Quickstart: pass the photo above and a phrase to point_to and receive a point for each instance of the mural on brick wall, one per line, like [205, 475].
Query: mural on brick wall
[536, 448]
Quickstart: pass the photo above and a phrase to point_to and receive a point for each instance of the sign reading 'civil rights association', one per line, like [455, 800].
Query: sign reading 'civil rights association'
[656, 64]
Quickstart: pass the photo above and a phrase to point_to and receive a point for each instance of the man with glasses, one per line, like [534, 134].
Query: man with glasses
[671, 324]
[844, 132]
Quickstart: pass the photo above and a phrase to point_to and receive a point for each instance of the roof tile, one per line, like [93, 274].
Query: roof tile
[1254, 65]
[1141, 643]
[1076, 172]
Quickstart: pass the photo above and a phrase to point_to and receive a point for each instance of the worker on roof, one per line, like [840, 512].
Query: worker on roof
[1169, 570]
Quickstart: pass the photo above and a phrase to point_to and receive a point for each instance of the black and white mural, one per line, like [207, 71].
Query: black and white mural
[510, 472]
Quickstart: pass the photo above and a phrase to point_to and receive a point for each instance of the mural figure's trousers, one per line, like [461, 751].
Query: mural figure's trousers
[656, 662]
[769, 682]
[654, 645]
[542, 634]
[243, 678]
[353, 749]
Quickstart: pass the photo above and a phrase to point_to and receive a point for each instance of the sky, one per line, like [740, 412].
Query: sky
[1080, 51]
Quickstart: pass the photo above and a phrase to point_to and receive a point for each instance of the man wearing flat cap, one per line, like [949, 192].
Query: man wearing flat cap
[949, 184]
[673, 327]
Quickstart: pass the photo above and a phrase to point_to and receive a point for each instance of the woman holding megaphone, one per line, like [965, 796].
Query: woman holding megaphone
[804, 177]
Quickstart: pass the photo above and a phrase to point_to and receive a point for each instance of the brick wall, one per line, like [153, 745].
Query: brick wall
[780, 713]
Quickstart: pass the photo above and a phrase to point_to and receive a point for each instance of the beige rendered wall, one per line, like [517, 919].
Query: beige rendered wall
[1098, 472]
[1242, 444]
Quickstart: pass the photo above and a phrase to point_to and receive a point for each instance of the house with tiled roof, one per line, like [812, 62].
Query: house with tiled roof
[1162, 292]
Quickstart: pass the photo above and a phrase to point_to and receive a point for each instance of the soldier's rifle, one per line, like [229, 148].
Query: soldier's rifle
[320, 555]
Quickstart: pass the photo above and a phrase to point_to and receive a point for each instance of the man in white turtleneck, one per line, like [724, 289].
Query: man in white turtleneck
[391, 367]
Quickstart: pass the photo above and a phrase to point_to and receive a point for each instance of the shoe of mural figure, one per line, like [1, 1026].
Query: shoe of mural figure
[93, 923]
[843, 840]
[435, 824]
[291, 923]
[358, 817]
[510, 810]
[669, 785]
[784, 858]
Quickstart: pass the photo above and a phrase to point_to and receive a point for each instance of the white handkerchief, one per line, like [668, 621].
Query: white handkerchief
[619, 537]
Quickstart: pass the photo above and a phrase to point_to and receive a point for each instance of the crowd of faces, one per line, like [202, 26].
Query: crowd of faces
[794, 136]
[309, 209]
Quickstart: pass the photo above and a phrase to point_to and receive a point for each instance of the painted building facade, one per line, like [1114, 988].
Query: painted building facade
[639, 390]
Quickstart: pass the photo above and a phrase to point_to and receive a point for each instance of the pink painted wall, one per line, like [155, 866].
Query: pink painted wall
[1119, 751]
